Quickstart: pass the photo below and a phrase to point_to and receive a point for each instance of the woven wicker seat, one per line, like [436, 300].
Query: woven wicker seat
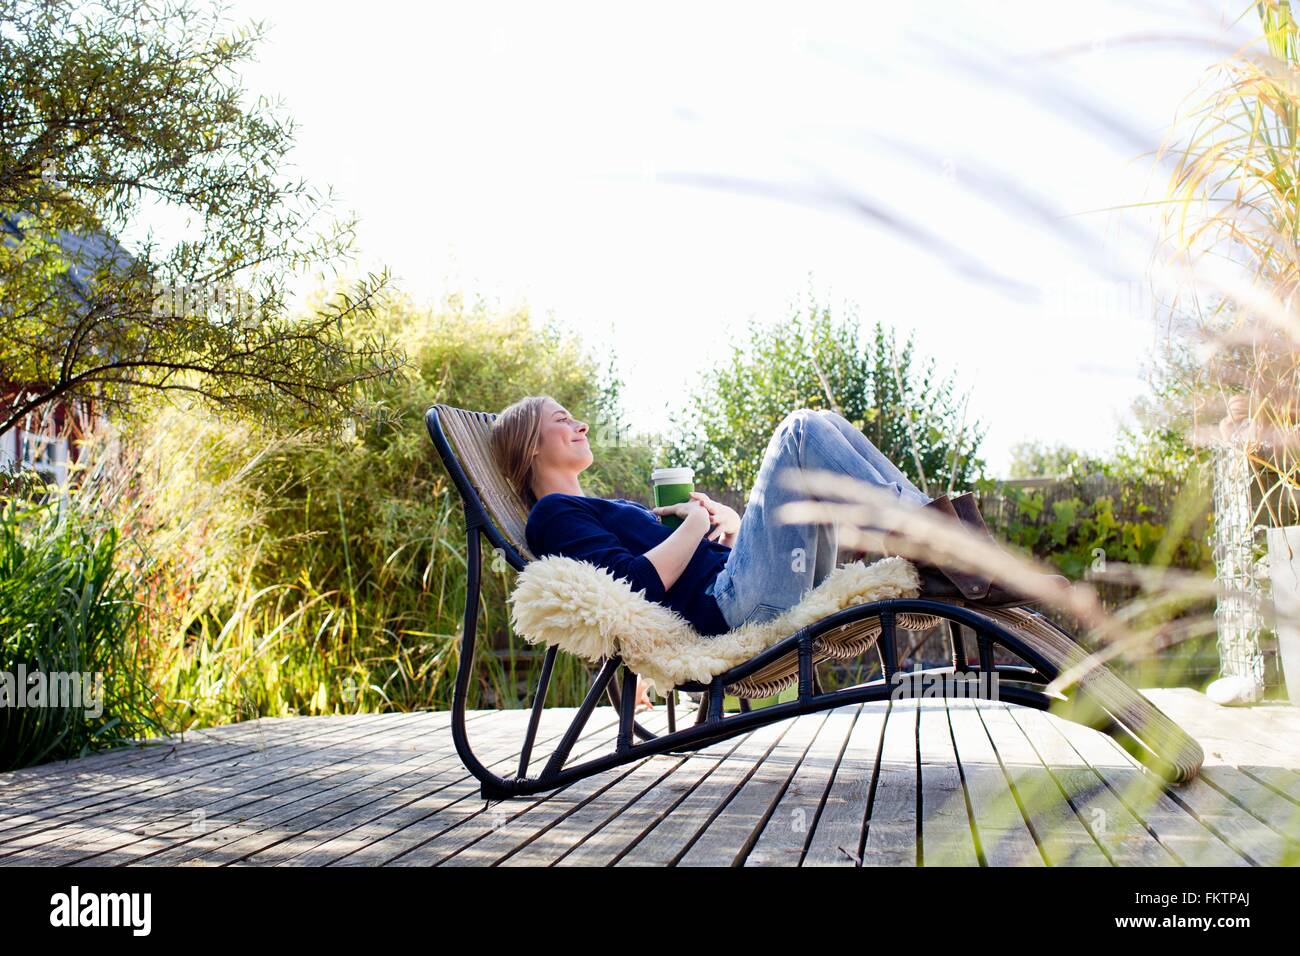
[492, 508]
[845, 643]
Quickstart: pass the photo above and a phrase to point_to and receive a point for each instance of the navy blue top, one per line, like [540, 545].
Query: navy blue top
[616, 534]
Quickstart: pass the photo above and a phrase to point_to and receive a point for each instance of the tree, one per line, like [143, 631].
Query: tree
[117, 117]
[1038, 459]
[907, 409]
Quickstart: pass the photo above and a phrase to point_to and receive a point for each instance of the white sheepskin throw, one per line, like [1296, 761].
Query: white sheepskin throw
[587, 611]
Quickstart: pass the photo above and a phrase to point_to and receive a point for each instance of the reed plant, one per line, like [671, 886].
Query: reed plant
[72, 664]
[1232, 221]
[318, 572]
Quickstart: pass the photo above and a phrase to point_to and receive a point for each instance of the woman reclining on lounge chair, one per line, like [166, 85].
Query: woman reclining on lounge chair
[716, 569]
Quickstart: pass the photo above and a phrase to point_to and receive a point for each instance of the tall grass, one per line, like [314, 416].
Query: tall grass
[68, 607]
[1232, 219]
[304, 574]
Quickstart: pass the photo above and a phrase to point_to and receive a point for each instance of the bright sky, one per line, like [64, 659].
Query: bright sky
[574, 158]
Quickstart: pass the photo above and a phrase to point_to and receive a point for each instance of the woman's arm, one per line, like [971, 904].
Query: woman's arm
[671, 555]
[575, 533]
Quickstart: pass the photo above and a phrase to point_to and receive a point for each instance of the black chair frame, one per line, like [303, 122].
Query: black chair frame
[1015, 683]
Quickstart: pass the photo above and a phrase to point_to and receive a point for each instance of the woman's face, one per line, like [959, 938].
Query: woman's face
[562, 444]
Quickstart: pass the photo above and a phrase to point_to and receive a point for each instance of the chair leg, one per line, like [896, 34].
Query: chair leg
[539, 702]
[985, 647]
[615, 698]
[627, 710]
[887, 646]
[599, 683]
[957, 642]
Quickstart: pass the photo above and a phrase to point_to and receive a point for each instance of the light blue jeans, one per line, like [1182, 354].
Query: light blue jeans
[773, 565]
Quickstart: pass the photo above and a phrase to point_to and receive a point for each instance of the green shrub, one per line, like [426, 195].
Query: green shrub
[67, 608]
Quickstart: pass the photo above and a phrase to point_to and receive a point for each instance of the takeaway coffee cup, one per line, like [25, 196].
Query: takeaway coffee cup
[672, 486]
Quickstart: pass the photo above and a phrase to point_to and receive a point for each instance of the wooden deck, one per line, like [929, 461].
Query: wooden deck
[924, 782]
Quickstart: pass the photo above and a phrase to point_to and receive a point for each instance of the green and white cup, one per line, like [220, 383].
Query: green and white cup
[672, 486]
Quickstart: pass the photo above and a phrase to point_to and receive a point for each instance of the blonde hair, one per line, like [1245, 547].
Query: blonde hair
[514, 437]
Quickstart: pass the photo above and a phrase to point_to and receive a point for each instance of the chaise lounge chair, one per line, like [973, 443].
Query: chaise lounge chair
[1100, 699]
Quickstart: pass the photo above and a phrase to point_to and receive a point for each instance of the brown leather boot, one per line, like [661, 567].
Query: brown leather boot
[998, 595]
[961, 585]
[935, 585]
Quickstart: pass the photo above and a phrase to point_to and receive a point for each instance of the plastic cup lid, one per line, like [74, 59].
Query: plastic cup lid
[671, 476]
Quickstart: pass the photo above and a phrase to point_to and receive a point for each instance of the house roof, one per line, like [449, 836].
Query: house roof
[86, 253]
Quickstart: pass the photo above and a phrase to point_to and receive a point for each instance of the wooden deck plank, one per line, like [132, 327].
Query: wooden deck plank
[667, 839]
[65, 838]
[1002, 833]
[488, 836]
[442, 813]
[318, 810]
[208, 812]
[1061, 836]
[1264, 803]
[610, 841]
[798, 815]
[1267, 735]
[1251, 756]
[1236, 827]
[732, 832]
[466, 820]
[933, 782]
[195, 746]
[1148, 799]
[83, 791]
[356, 832]
[487, 840]
[409, 799]
[551, 844]
[1277, 779]
[1244, 833]
[892, 821]
[947, 838]
[77, 769]
[1122, 836]
[172, 777]
[841, 827]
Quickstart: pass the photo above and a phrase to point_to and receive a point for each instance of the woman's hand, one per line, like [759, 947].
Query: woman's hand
[724, 520]
[692, 513]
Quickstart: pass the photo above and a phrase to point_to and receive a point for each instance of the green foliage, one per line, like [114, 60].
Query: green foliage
[314, 576]
[1147, 452]
[67, 608]
[282, 574]
[1131, 511]
[1156, 453]
[1037, 459]
[1078, 533]
[124, 115]
[1147, 503]
[907, 409]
